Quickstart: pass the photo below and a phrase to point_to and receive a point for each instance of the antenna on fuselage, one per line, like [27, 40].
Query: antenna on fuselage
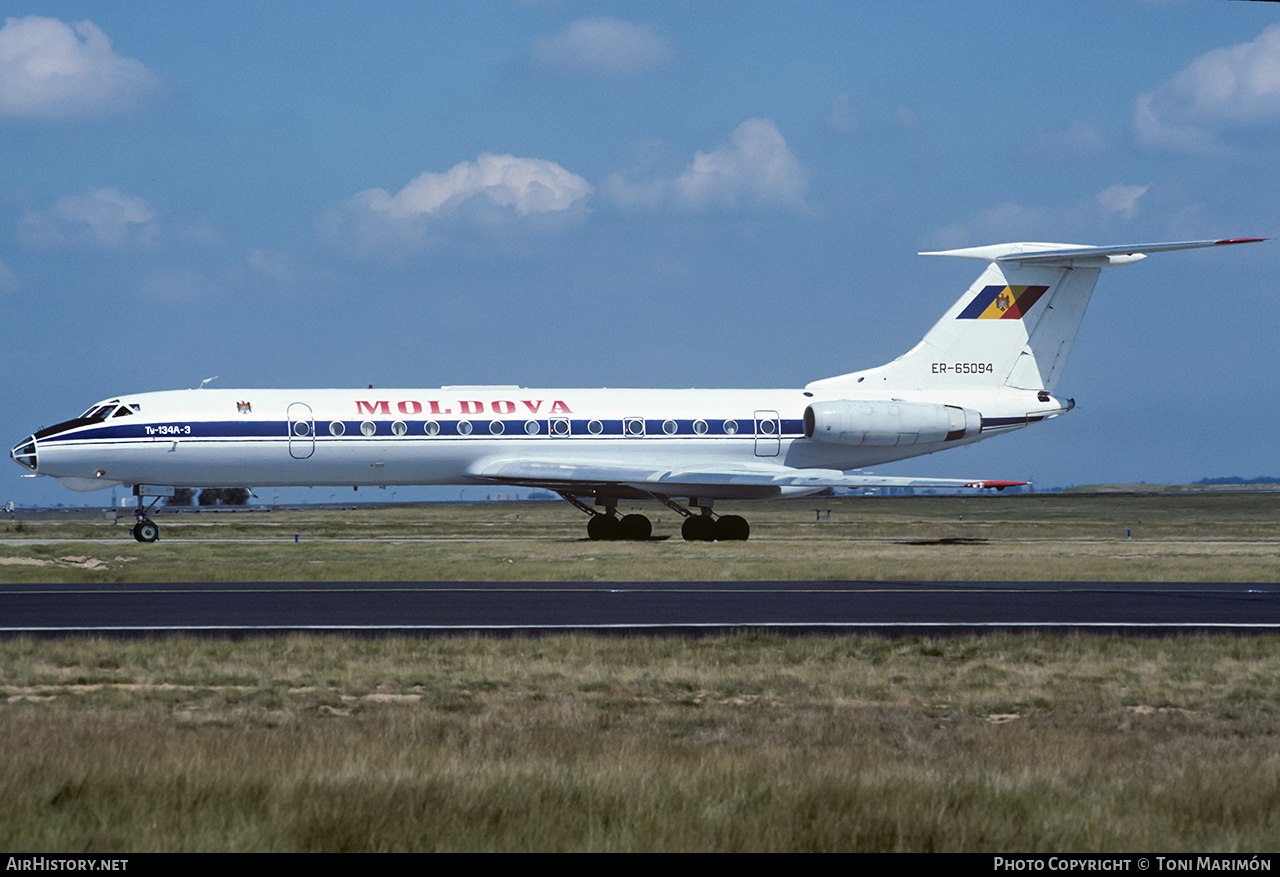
[205, 381]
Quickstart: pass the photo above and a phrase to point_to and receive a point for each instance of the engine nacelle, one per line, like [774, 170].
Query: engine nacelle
[886, 424]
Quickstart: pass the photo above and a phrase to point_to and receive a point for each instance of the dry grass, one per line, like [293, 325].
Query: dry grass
[1006, 743]
[1070, 538]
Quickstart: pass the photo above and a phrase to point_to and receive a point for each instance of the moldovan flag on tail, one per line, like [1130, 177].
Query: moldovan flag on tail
[1002, 302]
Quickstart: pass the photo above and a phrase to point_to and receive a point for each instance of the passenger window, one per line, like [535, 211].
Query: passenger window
[700, 427]
[531, 427]
[368, 427]
[495, 427]
[399, 427]
[635, 426]
[560, 427]
[670, 427]
[595, 427]
[464, 427]
[731, 427]
[337, 428]
[431, 428]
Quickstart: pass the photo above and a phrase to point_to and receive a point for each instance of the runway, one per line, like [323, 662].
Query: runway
[687, 608]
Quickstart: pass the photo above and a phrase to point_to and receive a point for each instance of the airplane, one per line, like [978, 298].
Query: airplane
[988, 367]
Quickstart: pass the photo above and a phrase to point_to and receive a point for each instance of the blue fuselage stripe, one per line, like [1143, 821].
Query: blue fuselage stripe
[383, 430]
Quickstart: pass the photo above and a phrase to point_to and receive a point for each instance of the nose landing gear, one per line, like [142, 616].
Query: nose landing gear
[144, 529]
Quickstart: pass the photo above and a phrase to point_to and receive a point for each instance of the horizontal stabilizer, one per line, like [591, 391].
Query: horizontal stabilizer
[1076, 255]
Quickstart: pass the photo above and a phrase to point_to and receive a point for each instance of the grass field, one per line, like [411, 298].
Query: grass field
[745, 743]
[998, 538]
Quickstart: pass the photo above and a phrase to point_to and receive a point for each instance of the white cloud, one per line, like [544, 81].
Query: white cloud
[1237, 86]
[50, 71]
[1121, 199]
[756, 166]
[103, 218]
[492, 191]
[605, 45]
[527, 185]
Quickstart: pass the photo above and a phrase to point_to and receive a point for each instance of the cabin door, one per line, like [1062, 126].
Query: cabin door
[768, 434]
[302, 431]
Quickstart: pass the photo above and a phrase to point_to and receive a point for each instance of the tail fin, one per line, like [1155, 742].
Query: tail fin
[1015, 325]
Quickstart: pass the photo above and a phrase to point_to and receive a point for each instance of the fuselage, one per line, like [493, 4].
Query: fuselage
[261, 438]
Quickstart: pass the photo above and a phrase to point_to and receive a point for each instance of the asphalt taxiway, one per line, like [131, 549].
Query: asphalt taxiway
[694, 608]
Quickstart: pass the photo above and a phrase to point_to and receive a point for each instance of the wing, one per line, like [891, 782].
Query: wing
[740, 481]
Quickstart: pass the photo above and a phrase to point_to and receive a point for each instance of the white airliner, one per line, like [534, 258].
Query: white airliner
[989, 366]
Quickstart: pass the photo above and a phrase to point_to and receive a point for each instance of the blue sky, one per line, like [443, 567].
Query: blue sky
[710, 194]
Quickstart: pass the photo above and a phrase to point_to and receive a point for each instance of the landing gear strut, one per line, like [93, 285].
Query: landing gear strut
[703, 527]
[606, 526]
[144, 529]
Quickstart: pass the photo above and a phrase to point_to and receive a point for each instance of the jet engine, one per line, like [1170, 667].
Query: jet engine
[886, 424]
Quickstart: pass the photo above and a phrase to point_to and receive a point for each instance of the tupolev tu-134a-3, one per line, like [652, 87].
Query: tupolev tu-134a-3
[989, 366]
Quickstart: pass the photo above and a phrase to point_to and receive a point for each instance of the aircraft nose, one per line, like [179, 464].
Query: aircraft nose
[24, 453]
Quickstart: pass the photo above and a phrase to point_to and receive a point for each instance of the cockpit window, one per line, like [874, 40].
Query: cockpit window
[100, 412]
[123, 411]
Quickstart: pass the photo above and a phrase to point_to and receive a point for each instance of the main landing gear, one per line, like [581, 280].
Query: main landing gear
[628, 528]
[606, 526]
[703, 527]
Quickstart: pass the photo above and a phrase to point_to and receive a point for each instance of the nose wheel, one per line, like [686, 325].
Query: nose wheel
[146, 530]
